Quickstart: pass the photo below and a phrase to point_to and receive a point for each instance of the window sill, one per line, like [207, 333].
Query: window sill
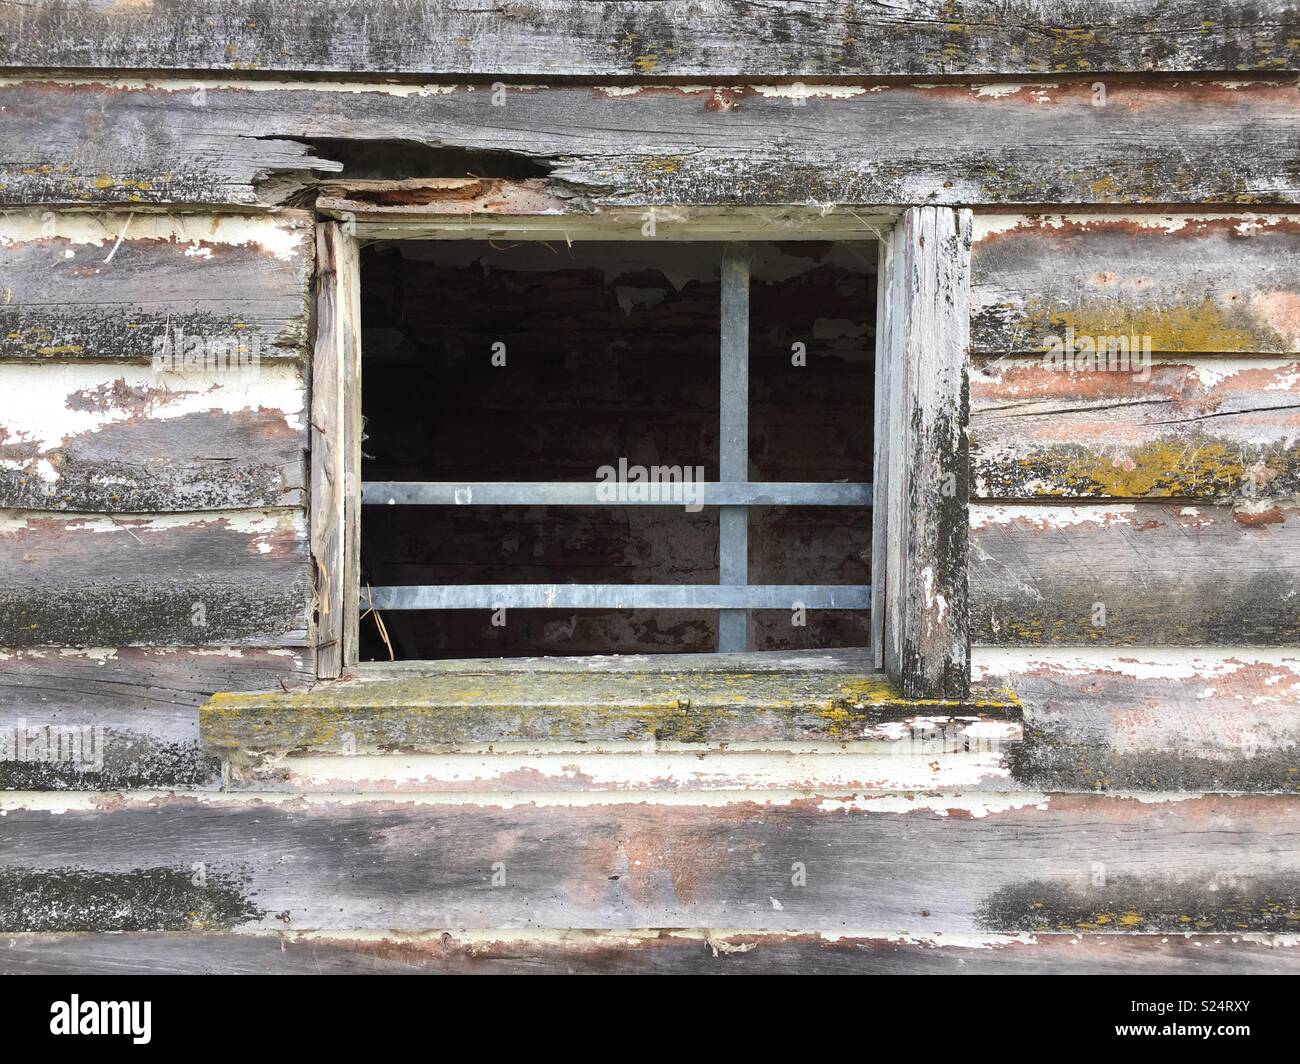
[716, 699]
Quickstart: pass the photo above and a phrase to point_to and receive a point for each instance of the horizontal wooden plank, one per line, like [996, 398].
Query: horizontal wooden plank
[134, 710]
[1151, 719]
[922, 753]
[469, 703]
[938, 863]
[1179, 282]
[83, 142]
[197, 292]
[1135, 574]
[635, 39]
[177, 580]
[101, 438]
[1192, 429]
[643, 952]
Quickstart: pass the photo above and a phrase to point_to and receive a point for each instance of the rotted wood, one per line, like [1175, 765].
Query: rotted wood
[429, 707]
[1179, 282]
[178, 142]
[639, 40]
[924, 525]
[1135, 574]
[96, 438]
[645, 952]
[1148, 719]
[133, 710]
[936, 864]
[226, 577]
[215, 289]
[1197, 429]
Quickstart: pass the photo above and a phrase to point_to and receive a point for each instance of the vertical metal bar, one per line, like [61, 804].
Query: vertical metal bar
[733, 441]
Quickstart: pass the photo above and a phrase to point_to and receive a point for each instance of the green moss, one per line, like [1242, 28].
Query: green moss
[146, 899]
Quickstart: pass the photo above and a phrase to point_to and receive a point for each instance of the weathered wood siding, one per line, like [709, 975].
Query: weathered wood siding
[1204, 284]
[1164, 719]
[1136, 574]
[636, 39]
[1186, 454]
[112, 287]
[153, 448]
[137, 708]
[155, 548]
[79, 142]
[1030, 863]
[174, 580]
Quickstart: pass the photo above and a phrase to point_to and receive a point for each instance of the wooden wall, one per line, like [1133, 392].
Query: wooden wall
[153, 520]
[154, 540]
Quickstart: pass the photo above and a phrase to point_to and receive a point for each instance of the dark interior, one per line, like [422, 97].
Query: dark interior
[611, 351]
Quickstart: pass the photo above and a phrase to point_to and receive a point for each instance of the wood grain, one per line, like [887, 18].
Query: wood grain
[225, 577]
[1191, 720]
[1202, 143]
[90, 437]
[926, 459]
[212, 286]
[1200, 428]
[441, 704]
[335, 444]
[647, 952]
[943, 863]
[1181, 282]
[1148, 574]
[144, 702]
[640, 40]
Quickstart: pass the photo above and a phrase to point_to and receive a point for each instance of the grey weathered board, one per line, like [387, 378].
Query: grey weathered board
[335, 460]
[90, 437]
[643, 39]
[144, 700]
[172, 580]
[1152, 142]
[190, 279]
[432, 707]
[1198, 720]
[928, 864]
[1164, 574]
[652, 952]
[1198, 428]
[1194, 283]
[924, 487]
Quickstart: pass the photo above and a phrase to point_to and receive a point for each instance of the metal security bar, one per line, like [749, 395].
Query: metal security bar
[591, 493]
[733, 596]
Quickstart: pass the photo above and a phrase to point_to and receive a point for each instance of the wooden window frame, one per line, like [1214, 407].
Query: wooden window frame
[919, 613]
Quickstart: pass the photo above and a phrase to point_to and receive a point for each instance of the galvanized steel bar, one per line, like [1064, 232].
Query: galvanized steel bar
[737, 597]
[581, 493]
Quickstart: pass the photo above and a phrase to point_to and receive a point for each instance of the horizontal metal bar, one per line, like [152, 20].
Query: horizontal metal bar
[596, 493]
[618, 596]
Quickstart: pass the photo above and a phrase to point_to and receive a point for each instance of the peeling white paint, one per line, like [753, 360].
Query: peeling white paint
[1139, 663]
[1248, 222]
[281, 236]
[878, 768]
[1048, 517]
[49, 404]
[249, 522]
